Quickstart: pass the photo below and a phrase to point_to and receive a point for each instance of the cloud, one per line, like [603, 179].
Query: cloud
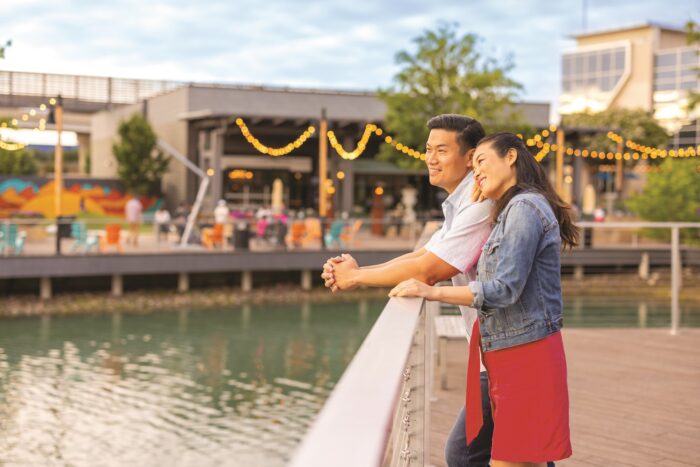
[316, 43]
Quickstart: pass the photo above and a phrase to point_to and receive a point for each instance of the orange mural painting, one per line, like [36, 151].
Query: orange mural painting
[34, 197]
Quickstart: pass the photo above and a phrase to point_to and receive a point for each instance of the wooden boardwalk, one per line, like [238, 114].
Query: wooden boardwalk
[635, 397]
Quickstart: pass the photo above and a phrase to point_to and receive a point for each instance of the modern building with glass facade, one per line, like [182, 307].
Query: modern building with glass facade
[649, 67]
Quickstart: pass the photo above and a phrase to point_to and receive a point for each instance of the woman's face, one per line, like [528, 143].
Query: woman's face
[492, 173]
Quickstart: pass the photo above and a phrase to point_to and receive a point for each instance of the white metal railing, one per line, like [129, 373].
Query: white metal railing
[86, 88]
[378, 413]
[675, 255]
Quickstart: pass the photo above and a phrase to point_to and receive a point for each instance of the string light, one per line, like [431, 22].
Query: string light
[11, 146]
[8, 146]
[404, 149]
[361, 145]
[689, 151]
[276, 152]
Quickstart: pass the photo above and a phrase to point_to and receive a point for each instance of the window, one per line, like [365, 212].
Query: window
[666, 59]
[689, 57]
[665, 86]
[619, 59]
[591, 63]
[593, 71]
[665, 75]
[566, 68]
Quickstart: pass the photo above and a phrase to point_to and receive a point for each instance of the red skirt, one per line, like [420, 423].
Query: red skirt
[529, 401]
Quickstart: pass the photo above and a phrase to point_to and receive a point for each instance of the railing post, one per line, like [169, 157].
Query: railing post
[45, 291]
[117, 285]
[431, 310]
[306, 281]
[183, 282]
[675, 279]
[644, 266]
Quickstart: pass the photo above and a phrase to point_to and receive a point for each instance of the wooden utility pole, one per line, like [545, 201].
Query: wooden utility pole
[619, 175]
[58, 157]
[322, 165]
[560, 163]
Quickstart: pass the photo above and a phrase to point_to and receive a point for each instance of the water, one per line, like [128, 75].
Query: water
[625, 312]
[231, 387]
[234, 387]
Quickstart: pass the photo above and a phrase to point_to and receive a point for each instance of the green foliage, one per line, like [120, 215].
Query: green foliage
[139, 164]
[693, 37]
[672, 194]
[446, 74]
[632, 124]
[20, 162]
[2, 48]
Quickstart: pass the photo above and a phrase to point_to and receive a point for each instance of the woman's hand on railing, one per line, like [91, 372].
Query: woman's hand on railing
[414, 288]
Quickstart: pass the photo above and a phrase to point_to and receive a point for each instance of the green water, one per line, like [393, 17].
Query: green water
[227, 387]
[230, 387]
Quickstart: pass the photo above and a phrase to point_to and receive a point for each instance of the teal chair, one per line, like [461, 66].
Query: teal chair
[333, 235]
[82, 238]
[11, 239]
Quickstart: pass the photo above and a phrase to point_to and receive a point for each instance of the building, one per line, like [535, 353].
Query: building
[649, 67]
[199, 122]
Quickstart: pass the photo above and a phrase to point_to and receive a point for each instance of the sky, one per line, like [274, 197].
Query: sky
[334, 44]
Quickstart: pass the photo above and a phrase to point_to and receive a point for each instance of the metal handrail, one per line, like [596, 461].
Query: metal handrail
[675, 256]
[106, 90]
[378, 413]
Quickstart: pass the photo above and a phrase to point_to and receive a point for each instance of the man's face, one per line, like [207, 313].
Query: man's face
[447, 165]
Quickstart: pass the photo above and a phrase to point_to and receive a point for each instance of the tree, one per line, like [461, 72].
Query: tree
[139, 164]
[693, 37]
[671, 194]
[19, 162]
[2, 48]
[632, 124]
[447, 74]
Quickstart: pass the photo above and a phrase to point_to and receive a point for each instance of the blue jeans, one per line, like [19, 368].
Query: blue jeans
[478, 453]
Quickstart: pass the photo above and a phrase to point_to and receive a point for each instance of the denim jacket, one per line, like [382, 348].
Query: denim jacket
[518, 290]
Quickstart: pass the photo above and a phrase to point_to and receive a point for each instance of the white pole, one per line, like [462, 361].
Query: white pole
[675, 279]
[203, 185]
[192, 217]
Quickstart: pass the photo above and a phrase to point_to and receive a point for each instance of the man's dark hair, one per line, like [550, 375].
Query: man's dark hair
[469, 131]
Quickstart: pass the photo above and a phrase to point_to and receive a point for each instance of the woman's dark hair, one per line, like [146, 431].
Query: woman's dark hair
[469, 131]
[531, 177]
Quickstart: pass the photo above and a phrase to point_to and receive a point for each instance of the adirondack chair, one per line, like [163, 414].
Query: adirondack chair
[313, 232]
[348, 238]
[11, 239]
[213, 237]
[333, 236]
[296, 235]
[82, 238]
[111, 238]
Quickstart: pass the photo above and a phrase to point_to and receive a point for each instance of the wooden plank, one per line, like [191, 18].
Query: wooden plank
[634, 397]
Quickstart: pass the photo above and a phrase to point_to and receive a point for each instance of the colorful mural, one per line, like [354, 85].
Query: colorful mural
[34, 197]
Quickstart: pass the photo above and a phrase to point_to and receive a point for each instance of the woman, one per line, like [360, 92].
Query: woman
[518, 297]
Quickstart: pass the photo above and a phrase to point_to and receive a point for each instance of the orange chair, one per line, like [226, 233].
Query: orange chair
[111, 237]
[313, 232]
[212, 237]
[349, 237]
[296, 234]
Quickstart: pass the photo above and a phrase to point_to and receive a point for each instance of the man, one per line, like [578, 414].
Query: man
[133, 210]
[452, 252]
[162, 221]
